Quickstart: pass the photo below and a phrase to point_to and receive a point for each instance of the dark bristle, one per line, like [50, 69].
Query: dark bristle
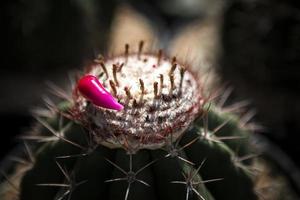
[182, 71]
[126, 52]
[159, 56]
[128, 93]
[161, 78]
[113, 87]
[142, 86]
[172, 82]
[155, 87]
[121, 67]
[174, 60]
[141, 45]
[173, 67]
[103, 67]
[100, 57]
[115, 69]
[134, 103]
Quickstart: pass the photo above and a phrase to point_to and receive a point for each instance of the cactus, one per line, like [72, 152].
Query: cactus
[169, 141]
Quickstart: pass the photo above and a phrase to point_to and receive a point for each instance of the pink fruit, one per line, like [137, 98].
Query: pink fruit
[90, 87]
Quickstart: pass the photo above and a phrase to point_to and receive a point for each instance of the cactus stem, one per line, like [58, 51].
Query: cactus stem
[113, 87]
[141, 45]
[159, 56]
[155, 89]
[115, 69]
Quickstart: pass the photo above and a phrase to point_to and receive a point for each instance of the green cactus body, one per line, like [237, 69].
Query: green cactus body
[165, 144]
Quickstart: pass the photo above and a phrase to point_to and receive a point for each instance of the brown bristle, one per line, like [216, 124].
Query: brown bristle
[172, 82]
[126, 51]
[100, 57]
[161, 78]
[134, 103]
[159, 56]
[104, 68]
[120, 67]
[174, 60]
[128, 93]
[142, 86]
[173, 67]
[141, 45]
[182, 70]
[113, 87]
[155, 87]
[115, 69]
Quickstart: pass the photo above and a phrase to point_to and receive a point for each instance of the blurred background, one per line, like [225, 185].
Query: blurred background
[253, 46]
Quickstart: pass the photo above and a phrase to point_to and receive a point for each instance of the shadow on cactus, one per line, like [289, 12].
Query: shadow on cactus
[138, 126]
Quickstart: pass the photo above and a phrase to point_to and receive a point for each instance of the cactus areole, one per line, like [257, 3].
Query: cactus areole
[157, 98]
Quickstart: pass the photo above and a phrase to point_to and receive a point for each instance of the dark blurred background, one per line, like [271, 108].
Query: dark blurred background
[251, 45]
